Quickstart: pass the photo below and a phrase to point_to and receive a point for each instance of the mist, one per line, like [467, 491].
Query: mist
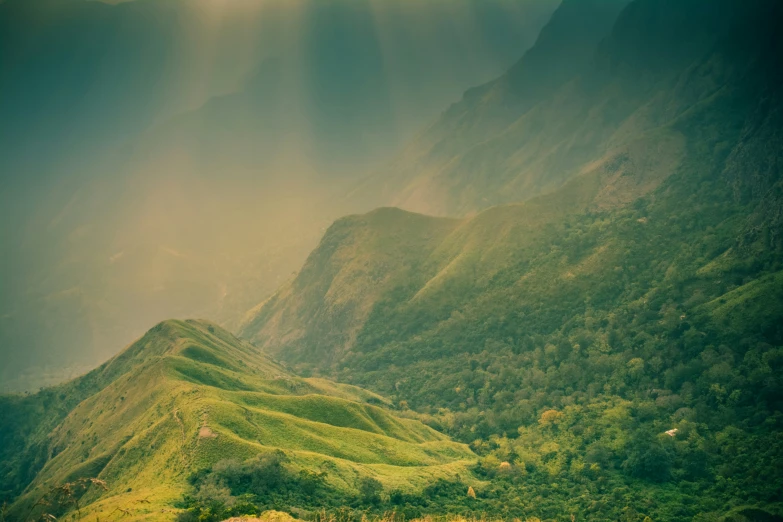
[180, 159]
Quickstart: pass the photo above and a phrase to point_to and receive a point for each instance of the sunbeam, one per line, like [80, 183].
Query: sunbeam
[240, 124]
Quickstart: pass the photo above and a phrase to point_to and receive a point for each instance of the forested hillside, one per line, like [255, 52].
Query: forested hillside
[617, 340]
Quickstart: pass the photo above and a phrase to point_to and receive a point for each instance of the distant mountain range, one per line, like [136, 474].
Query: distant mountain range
[584, 95]
[181, 158]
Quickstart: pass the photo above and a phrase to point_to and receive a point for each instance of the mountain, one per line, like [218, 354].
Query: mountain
[81, 76]
[186, 396]
[616, 339]
[722, 119]
[578, 98]
[359, 261]
[563, 52]
[181, 158]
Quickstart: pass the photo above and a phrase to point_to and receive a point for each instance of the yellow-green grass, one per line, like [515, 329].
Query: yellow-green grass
[189, 394]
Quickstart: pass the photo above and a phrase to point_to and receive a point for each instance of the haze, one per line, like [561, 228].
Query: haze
[180, 159]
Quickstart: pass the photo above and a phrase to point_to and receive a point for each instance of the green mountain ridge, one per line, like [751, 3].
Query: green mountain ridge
[360, 257]
[639, 294]
[186, 396]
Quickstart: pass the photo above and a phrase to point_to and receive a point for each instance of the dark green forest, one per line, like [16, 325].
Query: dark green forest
[577, 393]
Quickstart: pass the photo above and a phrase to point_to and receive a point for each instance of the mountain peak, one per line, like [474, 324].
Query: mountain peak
[176, 338]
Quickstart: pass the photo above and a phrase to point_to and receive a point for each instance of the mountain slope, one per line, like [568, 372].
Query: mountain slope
[360, 259]
[626, 323]
[187, 395]
[620, 89]
[718, 125]
[568, 333]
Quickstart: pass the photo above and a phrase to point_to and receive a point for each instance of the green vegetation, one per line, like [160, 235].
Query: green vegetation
[621, 328]
[612, 348]
[270, 481]
[191, 400]
[237, 488]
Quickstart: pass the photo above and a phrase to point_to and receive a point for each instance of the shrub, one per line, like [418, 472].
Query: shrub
[370, 490]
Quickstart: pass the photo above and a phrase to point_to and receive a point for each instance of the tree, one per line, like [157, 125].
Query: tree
[370, 490]
[648, 460]
[550, 418]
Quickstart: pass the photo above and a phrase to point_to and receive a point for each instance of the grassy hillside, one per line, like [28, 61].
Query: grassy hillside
[362, 256]
[186, 397]
[568, 334]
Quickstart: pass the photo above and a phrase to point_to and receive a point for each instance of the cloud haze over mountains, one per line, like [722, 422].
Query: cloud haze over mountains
[181, 158]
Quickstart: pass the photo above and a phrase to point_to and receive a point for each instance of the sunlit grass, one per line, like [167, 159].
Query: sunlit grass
[189, 394]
